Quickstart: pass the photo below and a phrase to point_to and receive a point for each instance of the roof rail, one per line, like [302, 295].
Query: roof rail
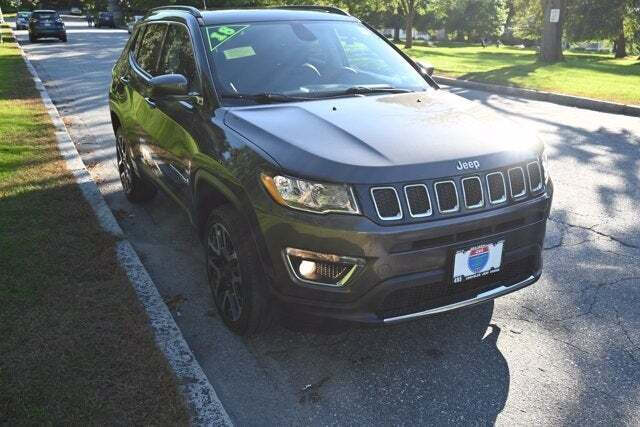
[327, 9]
[192, 10]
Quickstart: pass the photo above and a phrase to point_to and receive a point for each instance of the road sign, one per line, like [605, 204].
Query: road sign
[554, 16]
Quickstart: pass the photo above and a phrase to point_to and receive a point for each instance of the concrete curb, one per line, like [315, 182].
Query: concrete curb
[201, 398]
[569, 100]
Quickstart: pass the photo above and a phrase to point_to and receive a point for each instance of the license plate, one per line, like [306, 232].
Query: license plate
[477, 261]
[47, 24]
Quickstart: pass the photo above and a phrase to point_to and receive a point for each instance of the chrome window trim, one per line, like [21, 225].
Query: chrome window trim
[426, 214]
[504, 188]
[524, 187]
[464, 193]
[457, 207]
[375, 203]
[539, 187]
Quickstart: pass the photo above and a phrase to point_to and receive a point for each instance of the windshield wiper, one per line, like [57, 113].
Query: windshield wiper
[265, 98]
[364, 90]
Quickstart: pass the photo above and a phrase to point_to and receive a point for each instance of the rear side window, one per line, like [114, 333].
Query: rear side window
[148, 51]
[178, 55]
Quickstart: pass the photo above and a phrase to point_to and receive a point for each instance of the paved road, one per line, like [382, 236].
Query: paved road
[565, 351]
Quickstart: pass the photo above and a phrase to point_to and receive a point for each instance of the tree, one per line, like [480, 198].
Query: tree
[408, 8]
[554, 18]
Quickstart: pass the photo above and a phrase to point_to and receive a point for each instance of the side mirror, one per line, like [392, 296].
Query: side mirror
[426, 68]
[169, 84]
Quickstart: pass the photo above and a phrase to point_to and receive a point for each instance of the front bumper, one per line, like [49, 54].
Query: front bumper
[408, 271]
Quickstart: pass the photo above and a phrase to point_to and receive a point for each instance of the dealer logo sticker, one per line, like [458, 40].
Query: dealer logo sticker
[478, 258]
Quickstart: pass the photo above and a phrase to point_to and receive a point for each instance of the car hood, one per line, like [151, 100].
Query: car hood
[383, 139]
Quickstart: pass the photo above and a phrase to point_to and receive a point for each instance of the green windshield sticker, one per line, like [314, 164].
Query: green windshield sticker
[239, 52]
[220, 34]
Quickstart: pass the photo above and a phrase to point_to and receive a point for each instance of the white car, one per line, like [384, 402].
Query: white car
[132, 24]
[76, 11]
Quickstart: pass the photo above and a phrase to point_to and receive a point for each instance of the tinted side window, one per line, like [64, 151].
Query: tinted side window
[150, 47]
[178, 55]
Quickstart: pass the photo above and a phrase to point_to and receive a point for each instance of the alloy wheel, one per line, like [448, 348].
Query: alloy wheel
[224, 273]
[124, 165]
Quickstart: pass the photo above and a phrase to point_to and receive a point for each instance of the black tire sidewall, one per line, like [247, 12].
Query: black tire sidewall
[254, 288]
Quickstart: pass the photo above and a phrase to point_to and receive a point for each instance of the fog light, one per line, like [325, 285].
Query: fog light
[307, 269]
[321, 269]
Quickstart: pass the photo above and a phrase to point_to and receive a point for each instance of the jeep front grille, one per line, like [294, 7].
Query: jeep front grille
[458, 195]
[497, 188]
[516, 182]
[447, 196]
[418, 200]
[387, 203]
[472, 191]
[535, 176]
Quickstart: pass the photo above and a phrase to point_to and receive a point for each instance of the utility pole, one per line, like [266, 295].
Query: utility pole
[554, 17]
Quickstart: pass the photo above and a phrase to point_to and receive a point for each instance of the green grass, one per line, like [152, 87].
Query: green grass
[590, 75]
[75, 345]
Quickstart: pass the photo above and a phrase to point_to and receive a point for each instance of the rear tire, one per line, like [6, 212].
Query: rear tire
[134, 187]
[32, 38]
[238, 283]
[63, 39]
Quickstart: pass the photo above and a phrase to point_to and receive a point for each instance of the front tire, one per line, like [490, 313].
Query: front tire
[238, 284]
[134, 187]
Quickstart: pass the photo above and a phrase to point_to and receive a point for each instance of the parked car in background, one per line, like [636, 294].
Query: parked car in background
[22, 20]
[105, 19]
[46, 24]
[131, 25]
[76, 11]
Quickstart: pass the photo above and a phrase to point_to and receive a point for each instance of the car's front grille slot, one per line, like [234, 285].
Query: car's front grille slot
[419, 298]
[418, 200]
[535, 176]
[516, 182]
[473, 194]
[497, 188]
[387, 203]
[447, 196]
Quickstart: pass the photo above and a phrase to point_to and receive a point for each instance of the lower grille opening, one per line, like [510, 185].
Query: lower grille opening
[420, 298]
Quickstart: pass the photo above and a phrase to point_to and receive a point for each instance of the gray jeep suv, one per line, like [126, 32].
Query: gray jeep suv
[328, 174]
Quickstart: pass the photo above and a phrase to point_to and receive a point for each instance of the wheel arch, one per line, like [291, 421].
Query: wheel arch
[210, 192]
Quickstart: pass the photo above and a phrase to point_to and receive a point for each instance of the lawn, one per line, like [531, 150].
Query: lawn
[591, 75]
[75, 346]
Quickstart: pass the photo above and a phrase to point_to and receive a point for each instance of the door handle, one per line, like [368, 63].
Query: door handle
[124, 80]
[151, 102]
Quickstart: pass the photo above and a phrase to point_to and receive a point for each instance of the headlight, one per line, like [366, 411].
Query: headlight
[311, 196]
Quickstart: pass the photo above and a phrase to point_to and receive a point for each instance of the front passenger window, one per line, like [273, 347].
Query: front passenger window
[178, 55]
[150, 47]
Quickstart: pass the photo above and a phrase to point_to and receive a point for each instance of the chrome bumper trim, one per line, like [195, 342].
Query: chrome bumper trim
[485, 296]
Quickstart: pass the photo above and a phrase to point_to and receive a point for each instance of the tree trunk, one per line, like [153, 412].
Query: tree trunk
[114, 7]
[551, 49]
[408, 43]
[621, 46]
[396, 34]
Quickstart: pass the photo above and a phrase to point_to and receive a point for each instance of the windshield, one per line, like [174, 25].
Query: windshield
[307, 59]
[23, 14]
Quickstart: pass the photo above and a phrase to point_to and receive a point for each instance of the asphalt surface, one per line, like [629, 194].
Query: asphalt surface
[564, 351]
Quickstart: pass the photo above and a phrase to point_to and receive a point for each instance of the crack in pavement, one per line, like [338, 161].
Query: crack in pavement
[628, 336]
[599, 233]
